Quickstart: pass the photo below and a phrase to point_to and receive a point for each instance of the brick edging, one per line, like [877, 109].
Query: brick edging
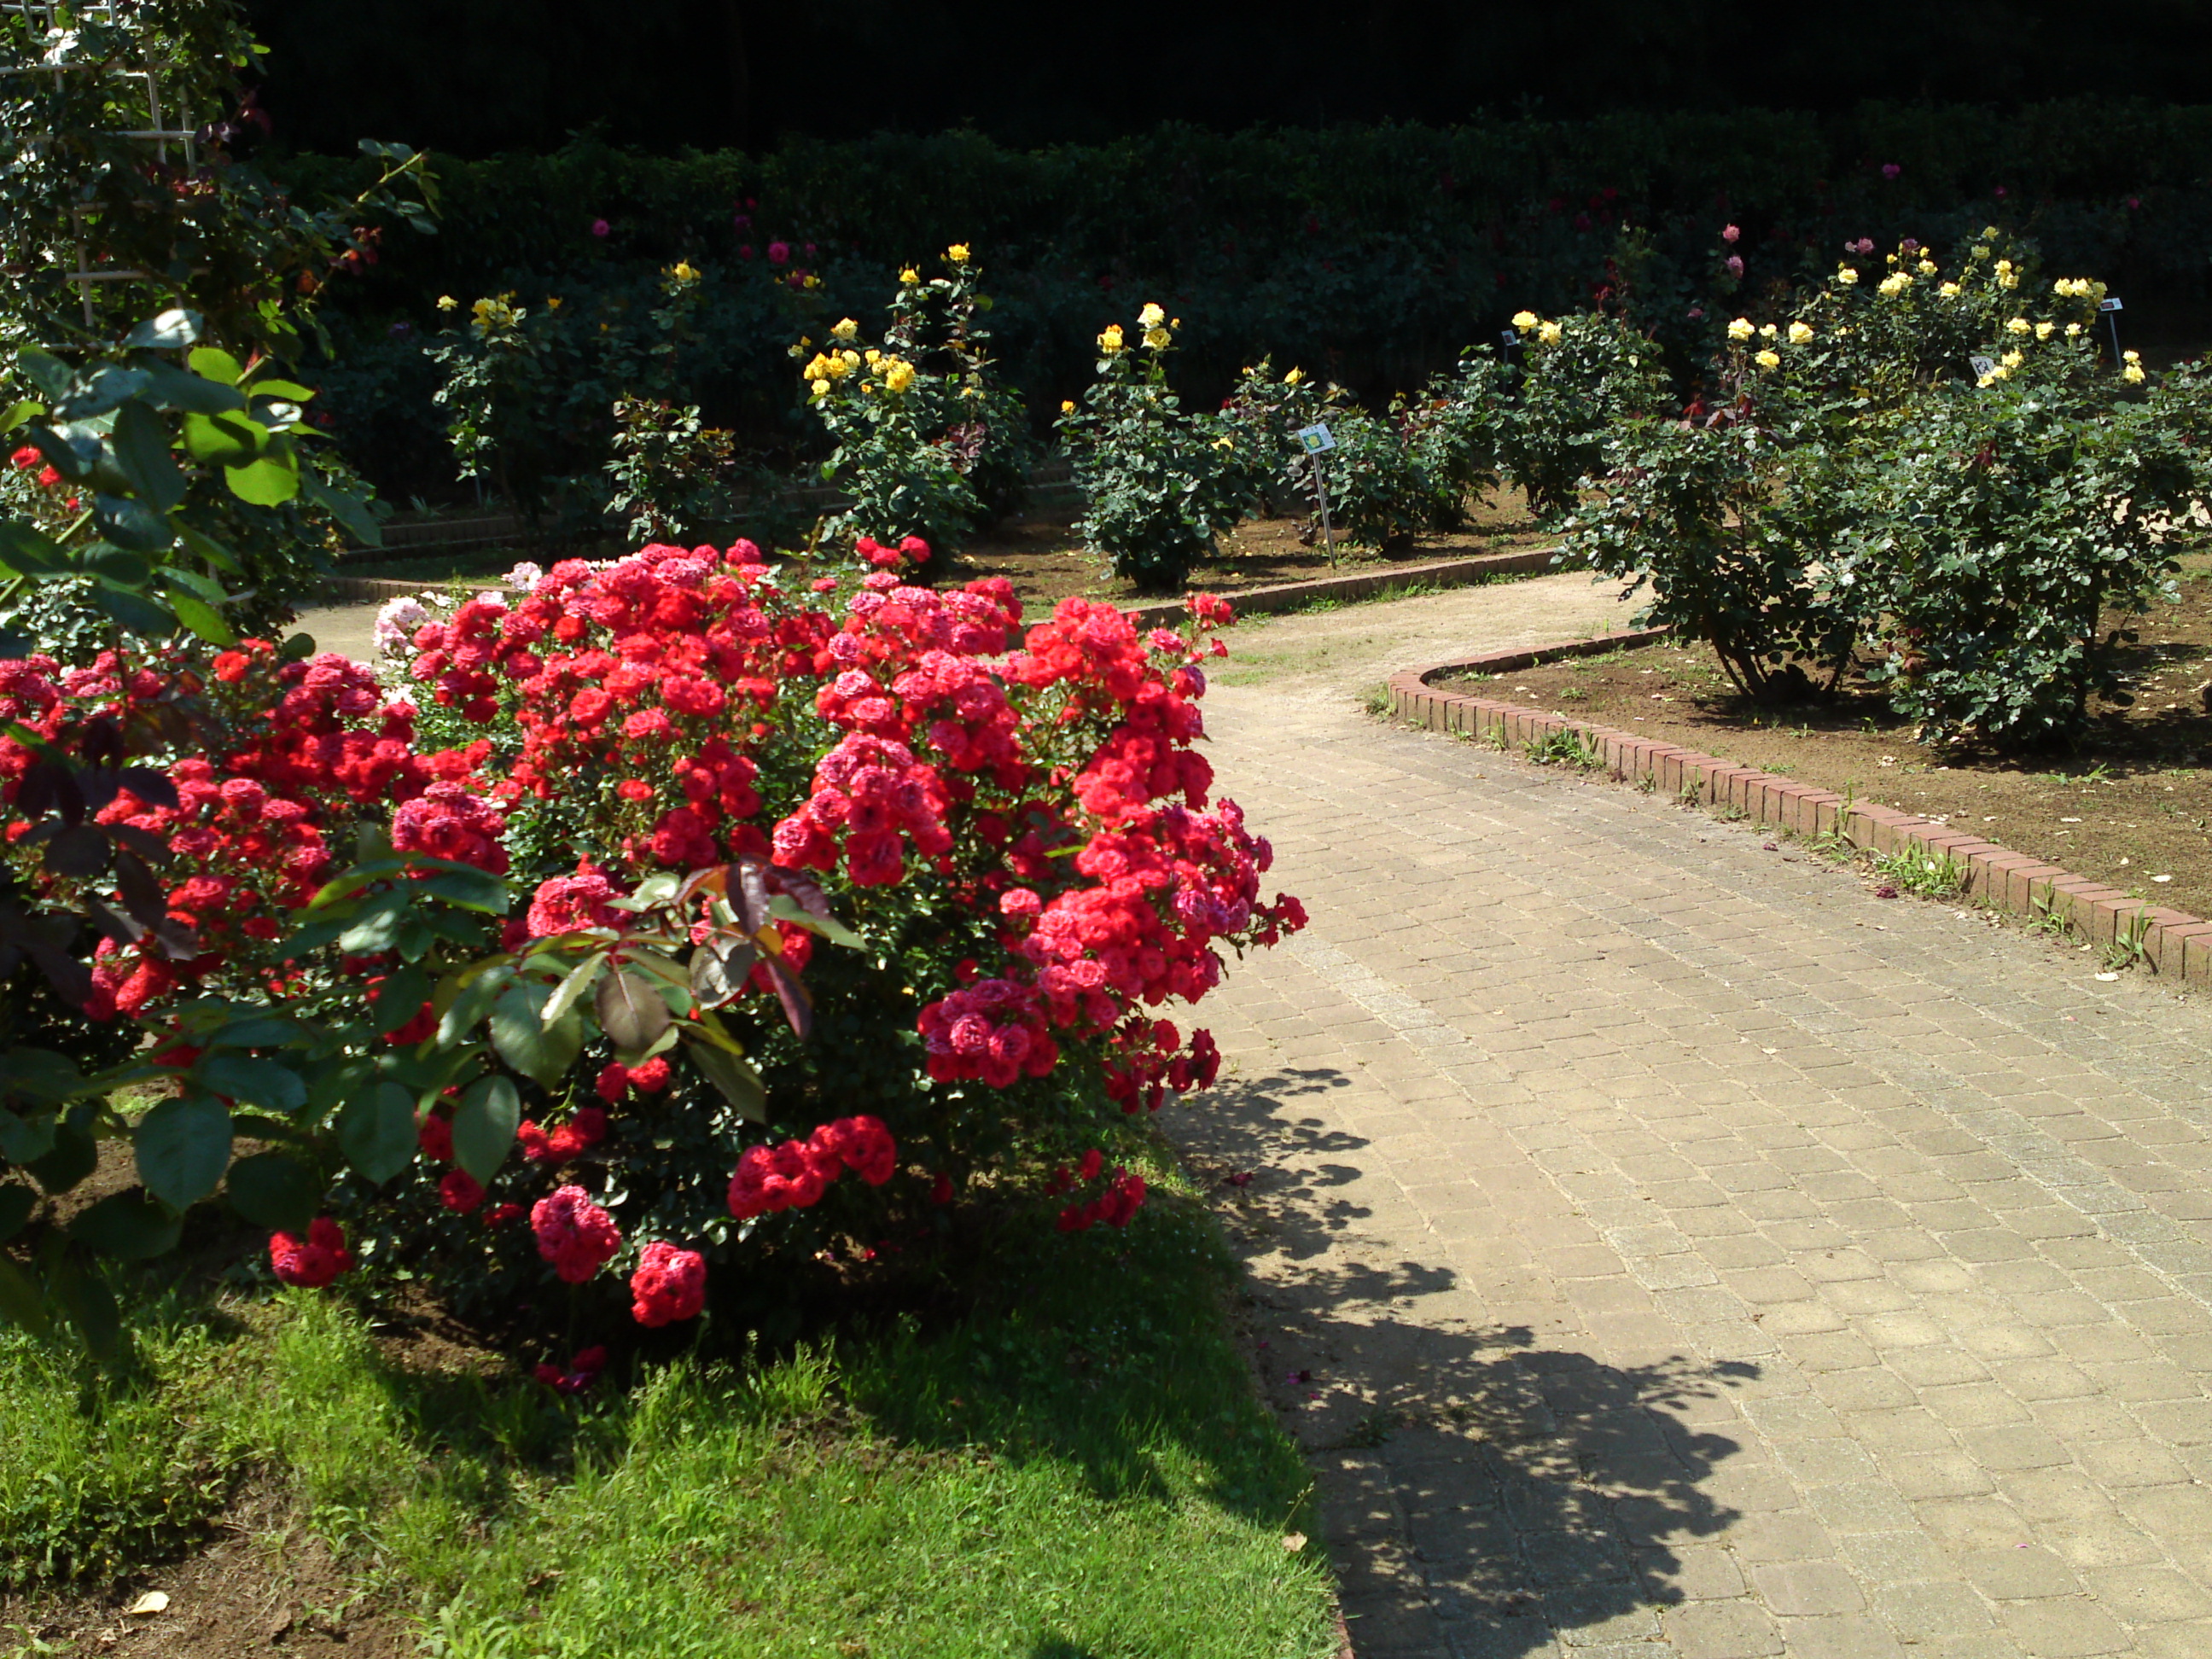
[2175, 943]
[1353, 585]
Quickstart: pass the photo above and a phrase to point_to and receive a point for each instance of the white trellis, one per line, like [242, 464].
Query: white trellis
[47, 18]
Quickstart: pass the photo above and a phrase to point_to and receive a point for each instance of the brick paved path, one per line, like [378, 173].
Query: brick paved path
[1690, 1254]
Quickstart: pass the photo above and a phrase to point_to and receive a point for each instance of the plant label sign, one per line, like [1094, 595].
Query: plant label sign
[1316, 439]
[1982, 367]
[2109, 305]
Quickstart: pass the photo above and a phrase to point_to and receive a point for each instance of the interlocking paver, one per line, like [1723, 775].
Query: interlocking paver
[1788, 1271]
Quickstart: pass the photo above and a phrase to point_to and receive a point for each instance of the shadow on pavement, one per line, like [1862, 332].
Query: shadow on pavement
[1487, 1490]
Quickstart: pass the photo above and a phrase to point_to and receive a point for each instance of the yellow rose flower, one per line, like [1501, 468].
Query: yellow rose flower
[1294, 376]
[1768, 359]
[2132, 356]
[909, 276]
[811, 281]
[552, 302]
[1110, 341]
[846, 329]
[1896, 282]
[2043, 331]
[1989, 230]
[684, 271]
[898, 375]
[1846, 276]
[874, 355]
[1152, 316]
[2014, 358]
[1548, 333]
[2008, 280]
[1927, 267]
[1158, 339]
[1768, 331]
[1983, 253]
[1524, 320]
[447, 302]
[2132, 374]
[2019, 325]
[1800, 334]
[1741, 329]
[2073, 329]
[1949, 290]
[958, 254]
[1067, 405]
[821, 388]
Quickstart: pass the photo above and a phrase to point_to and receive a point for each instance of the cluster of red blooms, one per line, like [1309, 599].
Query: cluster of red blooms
[791, 1176]
[313, 1261]
[1048, 782]
[1123, 1197]
[658, 673]
[311, 747]
[670, 1284]
[573, 1234]
[27, 457]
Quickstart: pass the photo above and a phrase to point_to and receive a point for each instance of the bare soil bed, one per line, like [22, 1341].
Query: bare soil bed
[1041, 554]
[2131, 805]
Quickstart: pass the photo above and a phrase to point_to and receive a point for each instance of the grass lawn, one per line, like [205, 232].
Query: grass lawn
[1072, 1464]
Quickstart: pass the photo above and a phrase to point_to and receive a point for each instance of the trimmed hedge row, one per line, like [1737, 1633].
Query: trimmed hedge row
[1375, 252]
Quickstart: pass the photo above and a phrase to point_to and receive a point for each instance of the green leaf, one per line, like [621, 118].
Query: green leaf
[83, 1291]
[128, 1225]
[472, 1001]
[175, 388]
[376, 929]
[75, 1155]
[255, 1031]
[45, 371]
[173, 327]
[224, 439]
[254, 1081]
[484, 1125]
[401, 997]
[471, 889]
[739, 1083]
[275, 1191]
[182, 1147]
[40, 1074]
[377, 1131]
[136, 614]
[142, 452]
[25, 552]
[203, 618]
[24, 1141]
[131, 523]
[522, 1039]
[214, 363]
[784, 907]
[16, 1203]
[631, 1011]
[571, 989]
[290, 390]
[270, 481]
[21, 1303]
[349, 510]
[28, 409]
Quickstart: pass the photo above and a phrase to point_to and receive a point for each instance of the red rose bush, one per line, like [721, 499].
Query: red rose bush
[859, 880]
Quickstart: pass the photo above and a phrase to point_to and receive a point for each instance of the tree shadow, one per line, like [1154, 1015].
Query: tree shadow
[1484, 1488]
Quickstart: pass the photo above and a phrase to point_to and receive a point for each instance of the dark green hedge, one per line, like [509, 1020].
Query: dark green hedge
[1373, 253]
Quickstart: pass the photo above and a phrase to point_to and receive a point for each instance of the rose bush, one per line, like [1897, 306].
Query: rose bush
[690, 776]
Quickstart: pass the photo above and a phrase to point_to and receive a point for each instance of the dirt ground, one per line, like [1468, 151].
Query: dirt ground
[2131, 807]
[1041, 554]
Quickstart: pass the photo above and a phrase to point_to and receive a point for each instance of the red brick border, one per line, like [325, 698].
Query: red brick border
[2175, 943]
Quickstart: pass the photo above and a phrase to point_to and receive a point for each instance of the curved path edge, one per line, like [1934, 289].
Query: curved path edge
[2174, 943]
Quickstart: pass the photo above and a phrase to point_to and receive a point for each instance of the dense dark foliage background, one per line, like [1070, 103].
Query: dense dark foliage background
[476, 77]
